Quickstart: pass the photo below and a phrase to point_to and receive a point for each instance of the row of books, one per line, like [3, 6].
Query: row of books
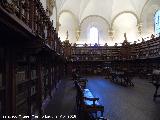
[22, 100]
[33, 74]
[33, 90]
[1, 80]
[21, 97]
[27, 86]
[93, 53]
[0, 108]
[22, 109]
[34, 110]
[20, 76]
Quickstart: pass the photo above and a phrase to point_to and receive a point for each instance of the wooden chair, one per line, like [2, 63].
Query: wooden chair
[87, 103]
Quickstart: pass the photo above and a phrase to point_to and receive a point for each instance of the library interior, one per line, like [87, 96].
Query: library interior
[80, 59]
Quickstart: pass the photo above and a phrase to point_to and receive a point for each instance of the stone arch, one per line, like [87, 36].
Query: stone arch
[113, 20]
[72, 14]
[107, 23]
[144, 8]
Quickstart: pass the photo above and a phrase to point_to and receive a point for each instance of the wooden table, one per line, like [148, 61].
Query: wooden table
[122, 78]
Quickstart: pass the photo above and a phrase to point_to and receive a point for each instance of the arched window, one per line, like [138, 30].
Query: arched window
[94, 36]
[157, 22]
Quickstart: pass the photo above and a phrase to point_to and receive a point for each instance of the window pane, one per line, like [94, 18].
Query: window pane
[157, 22]
[94, 35]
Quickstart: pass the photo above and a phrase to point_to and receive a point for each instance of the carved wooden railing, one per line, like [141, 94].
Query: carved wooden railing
[32, 13]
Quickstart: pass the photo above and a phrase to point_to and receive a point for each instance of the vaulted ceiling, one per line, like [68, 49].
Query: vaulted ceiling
[131, 14]
[107, 9]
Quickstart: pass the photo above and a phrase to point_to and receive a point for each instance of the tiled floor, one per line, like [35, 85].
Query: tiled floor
[121, 103]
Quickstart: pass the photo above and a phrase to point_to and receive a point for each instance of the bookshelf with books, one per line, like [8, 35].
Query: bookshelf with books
[137, 56]
[56, 74]
[144, 50]
[115, 53]
[21, 61]
[44, 82]
[52, 78]
[154, 47]
[32, 75]
[22, 84]
[134, 51]
[2, 84]
[1, 68]
[27, 85]
[88, 53]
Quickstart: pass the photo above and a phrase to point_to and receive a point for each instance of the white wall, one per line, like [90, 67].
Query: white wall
[97, 22]
[54, 17]
[67, 23]
[125, 23]
[148, 17]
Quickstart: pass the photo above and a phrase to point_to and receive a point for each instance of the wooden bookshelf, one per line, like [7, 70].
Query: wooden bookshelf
[31, 57]
[142, 56]
[2, 83]
[143, 50]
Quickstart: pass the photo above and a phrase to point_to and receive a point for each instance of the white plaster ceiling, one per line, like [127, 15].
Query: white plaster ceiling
[111, 11]
[105, 8]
